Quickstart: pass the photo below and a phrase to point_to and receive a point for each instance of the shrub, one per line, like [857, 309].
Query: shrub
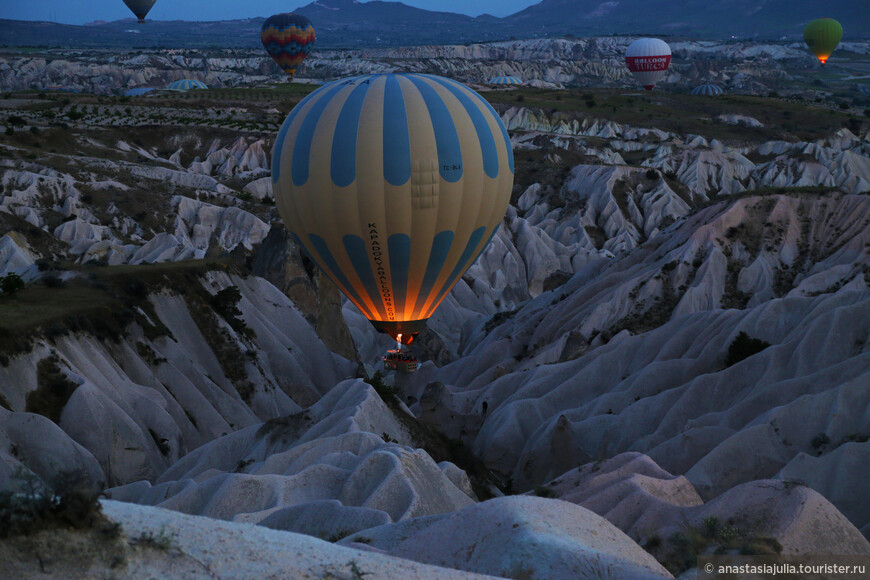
[710, 526]
[161, 541]
[544, 491]
[225, 302]
[386, 392]
[53, 390]
[53, 281]
[743, 347]
[11, 284]
[820, 441]
[32, 505]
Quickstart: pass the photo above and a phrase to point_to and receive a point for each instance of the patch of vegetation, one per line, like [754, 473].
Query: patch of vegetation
[53, 390]
[161, 442]
[681, 113]
[225, 303]
[162, 541]
[742, 347]
[732, 297]
[498, 318]
[441, 448]
[386, 392]
[31, 505]
[148, 355]
[11, 284]
[100, 301]
[52, 281]
[544, 491]
[335, 536]
[819, 442]
[242, 465]
[681, 550]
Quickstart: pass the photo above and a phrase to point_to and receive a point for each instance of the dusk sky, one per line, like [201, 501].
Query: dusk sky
[80, 12]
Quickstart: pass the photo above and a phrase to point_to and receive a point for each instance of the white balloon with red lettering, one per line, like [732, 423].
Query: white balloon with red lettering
[648, 60]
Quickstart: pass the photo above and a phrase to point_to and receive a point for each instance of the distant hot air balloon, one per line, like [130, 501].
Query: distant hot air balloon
[288, 38]
[140, 7]
[823, 35]
[648, 60]
[186, 84]
[708, 90]
[505, 81]
[393, 184]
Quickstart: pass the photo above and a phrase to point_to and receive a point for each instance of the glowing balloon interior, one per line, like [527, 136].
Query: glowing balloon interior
[140, 7]
[288, 38]
[393, 184]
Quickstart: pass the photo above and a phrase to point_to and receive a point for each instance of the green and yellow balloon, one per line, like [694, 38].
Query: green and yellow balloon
[823, 35]
[393, 184]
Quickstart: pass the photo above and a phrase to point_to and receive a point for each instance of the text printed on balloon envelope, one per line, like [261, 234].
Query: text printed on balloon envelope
[644, 63]
[380, 270]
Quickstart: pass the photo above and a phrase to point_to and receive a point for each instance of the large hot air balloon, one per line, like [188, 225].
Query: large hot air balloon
[823, 35]
[393, 184]
[648, 60]
[288, 38]
[140, 7]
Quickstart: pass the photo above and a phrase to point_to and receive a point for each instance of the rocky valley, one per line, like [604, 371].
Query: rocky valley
[664, 351]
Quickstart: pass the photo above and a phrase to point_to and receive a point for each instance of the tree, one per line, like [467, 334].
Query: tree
[11, 284]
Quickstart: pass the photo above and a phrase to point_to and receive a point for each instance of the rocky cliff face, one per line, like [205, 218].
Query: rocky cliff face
[551, 62]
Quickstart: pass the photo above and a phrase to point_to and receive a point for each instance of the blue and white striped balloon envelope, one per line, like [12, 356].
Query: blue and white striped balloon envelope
[393, 184]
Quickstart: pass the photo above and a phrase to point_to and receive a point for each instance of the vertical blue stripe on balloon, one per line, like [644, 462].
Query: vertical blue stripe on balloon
[399, 246]
[440, 248]
[327, 259]
[356, 251]
[484, 133]
[302, 147]
[397, 140]
[504, 133]
[446, 138]
[282, 134]
[473, 241]
[343, 160]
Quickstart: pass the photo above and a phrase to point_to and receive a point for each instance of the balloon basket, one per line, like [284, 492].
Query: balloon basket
[396, 360]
